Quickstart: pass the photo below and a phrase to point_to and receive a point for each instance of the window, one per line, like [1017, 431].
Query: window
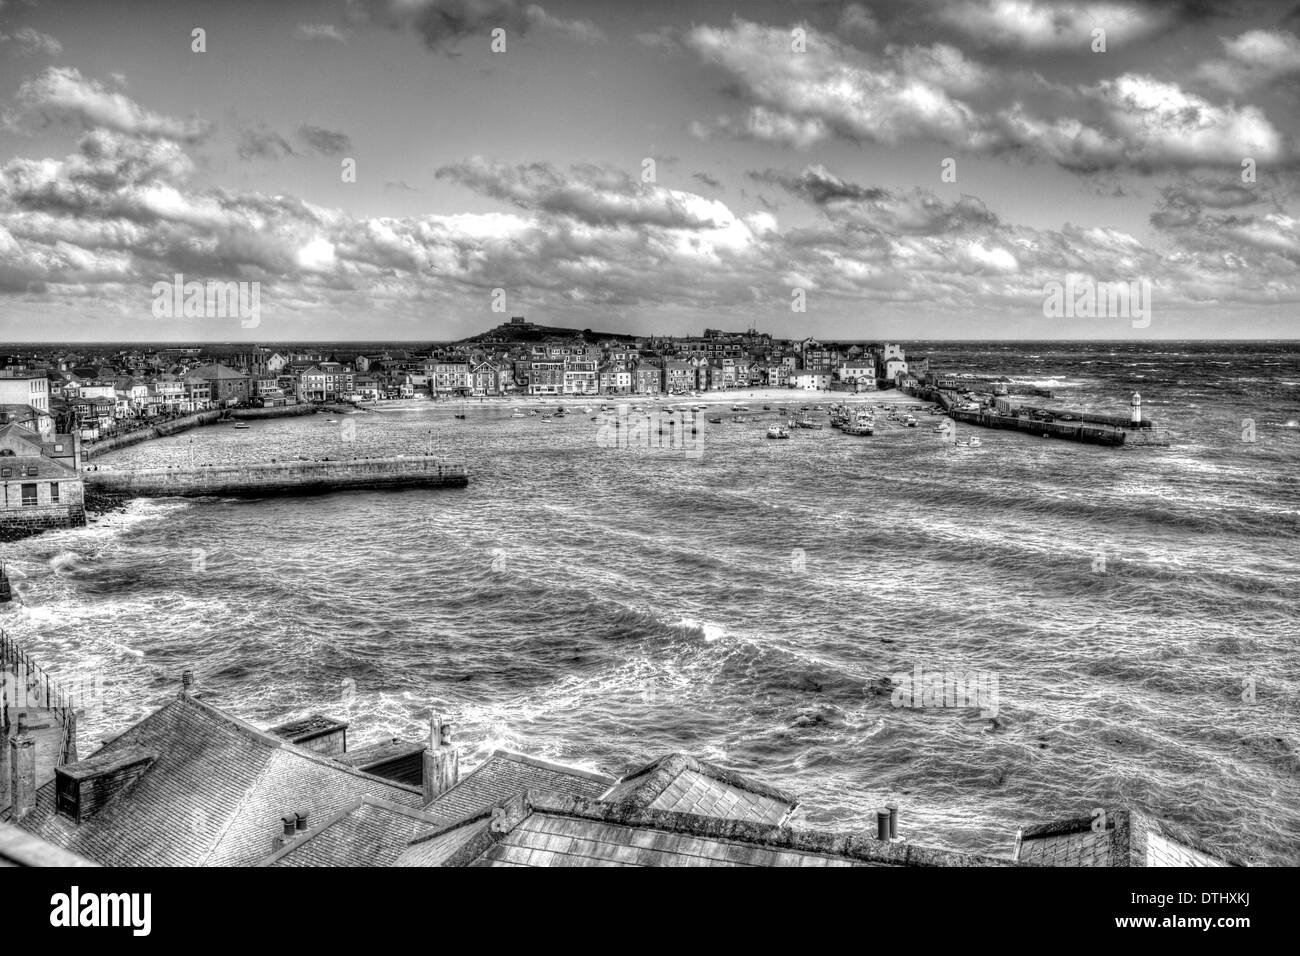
[6, 472]
[29, 495]
[54, 492]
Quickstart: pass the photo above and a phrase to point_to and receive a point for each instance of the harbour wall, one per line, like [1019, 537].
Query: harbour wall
[93, 449]
[274, 478]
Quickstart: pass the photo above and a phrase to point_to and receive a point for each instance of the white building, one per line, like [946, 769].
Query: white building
[25, 388]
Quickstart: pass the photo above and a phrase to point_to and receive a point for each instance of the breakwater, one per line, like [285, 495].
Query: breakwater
[267, 479]
[93, 449]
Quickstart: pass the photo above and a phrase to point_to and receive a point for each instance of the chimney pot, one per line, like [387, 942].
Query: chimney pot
[882, 824]
[301, 820]
[187, 682]
[290, 822]
[893, 820]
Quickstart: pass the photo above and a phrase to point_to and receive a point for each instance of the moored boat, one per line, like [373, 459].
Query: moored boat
[776, 431]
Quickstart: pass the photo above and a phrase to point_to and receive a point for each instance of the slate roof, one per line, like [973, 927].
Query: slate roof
[214, 796]
[506, 774]
[1129, 838]
[544, 829]
[19, 848]
[683, 784]
[47, 468]
[367, 832]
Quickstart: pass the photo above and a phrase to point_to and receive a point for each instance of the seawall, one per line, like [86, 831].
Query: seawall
[274, 478]
[92, 449]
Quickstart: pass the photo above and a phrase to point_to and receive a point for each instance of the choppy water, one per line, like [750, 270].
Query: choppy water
[604, 607]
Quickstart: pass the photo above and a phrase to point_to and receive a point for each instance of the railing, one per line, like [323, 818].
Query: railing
[34, 687]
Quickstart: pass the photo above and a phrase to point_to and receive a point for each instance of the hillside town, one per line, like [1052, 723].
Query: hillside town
[95, 392]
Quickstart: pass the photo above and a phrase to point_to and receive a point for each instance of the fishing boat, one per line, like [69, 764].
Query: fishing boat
[909, 421]
[241, 424]
[862, 425]
[6, 592]
[776, 431]
[807, 423]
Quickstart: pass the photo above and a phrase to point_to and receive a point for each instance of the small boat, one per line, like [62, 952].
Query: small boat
[331, 421]
[460, 416]
[767, 408]
[715, 421]
[737, 419]
[518, 414]
[241, 424]
[972, 442]
[776, 431]
[546, 418]
[740, 407]
[909, 421]
[6, 592]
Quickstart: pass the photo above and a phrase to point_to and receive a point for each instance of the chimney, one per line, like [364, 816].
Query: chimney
[441, 761]
[290, 823]
[300, 821]
[83, 788]
[22, 768]
[187, 682]
[882, 825]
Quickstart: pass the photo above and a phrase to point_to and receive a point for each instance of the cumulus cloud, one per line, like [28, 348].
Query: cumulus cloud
[62, 96]
[800, 100]
[1253, 59]
[597, 195]
[925, 93]
[30, 41]
[1037, 26]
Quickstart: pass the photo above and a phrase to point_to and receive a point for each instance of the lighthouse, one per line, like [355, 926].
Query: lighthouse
[1136, 404]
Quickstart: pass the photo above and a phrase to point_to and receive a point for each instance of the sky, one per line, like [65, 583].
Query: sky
[912, 170]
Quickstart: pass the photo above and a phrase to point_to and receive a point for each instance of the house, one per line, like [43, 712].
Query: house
[39, 491]
[298, 795]
[227, 386]
[24, 388]
[811, 380]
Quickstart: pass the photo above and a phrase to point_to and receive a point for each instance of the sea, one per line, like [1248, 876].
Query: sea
[1128, 616]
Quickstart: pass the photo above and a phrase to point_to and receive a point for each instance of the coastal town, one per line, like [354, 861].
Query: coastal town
[61, 406]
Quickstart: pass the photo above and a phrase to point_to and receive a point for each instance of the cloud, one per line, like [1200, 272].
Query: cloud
[400, 185]
[584, 31]
[321, 31]
[324, 141]
[596, 195]
[1040, 27]
[833, 90]
[443, 24]
[262, 142]
[707, 180]
[1147, 124]
[62, 96]
[1253, 59]
[928, 93]
[31, 41]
